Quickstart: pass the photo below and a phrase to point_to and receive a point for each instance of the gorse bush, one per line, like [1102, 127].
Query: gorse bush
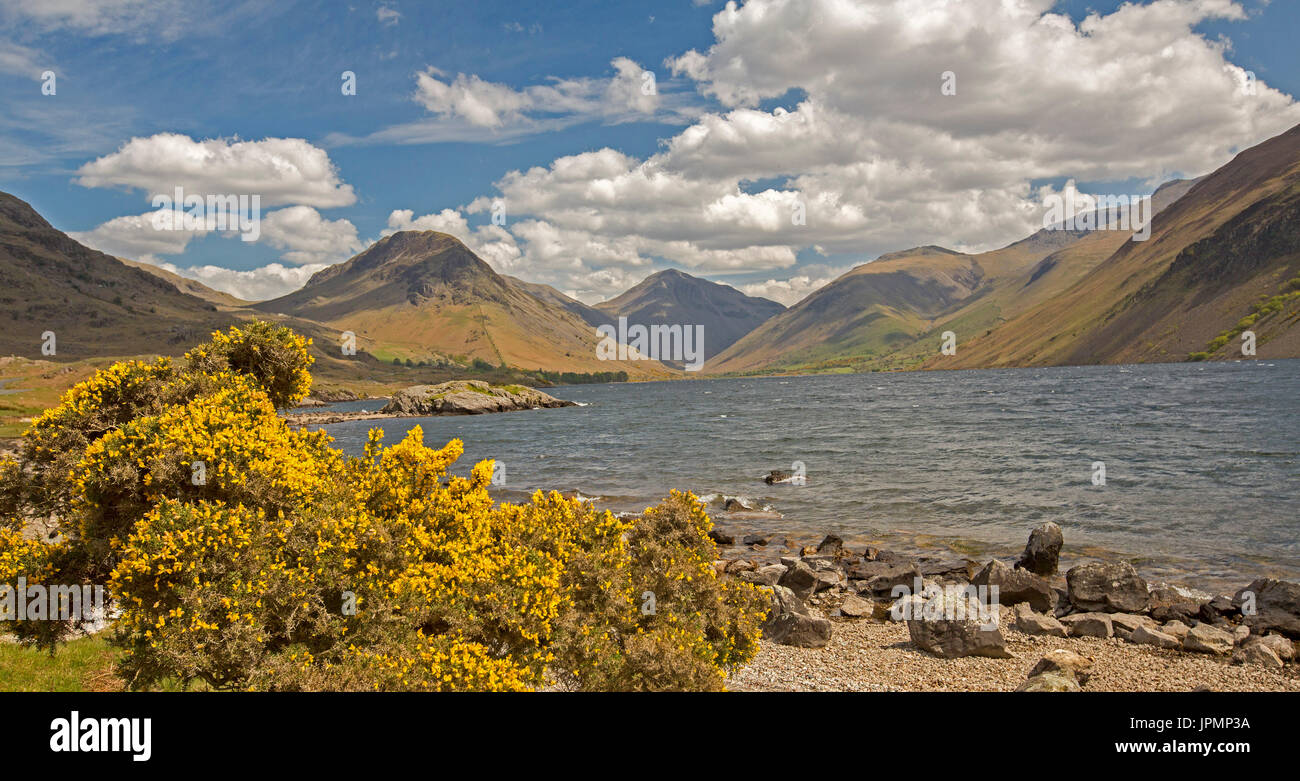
[246, 555]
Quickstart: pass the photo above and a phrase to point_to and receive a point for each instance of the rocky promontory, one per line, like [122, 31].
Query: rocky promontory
[457, 397]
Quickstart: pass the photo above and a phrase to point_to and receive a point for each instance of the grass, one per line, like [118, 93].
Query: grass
[82, 665]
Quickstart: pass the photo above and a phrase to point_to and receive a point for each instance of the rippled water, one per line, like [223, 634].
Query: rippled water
[1202, 461]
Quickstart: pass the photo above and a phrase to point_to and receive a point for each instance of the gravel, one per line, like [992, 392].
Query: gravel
[867, 655]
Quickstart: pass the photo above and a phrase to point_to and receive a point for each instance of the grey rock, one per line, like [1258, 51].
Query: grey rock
[952, 635]
[1049, 682]
[1125, 624]
[1148, 635]
[791, 622]
[468, 397]
[1043, 551]
[1112, 586]
[1204, 638]
[1281, 646]
[1257, 654]
[1032, 623]
[856, 607]
[1064, 662]
[764, 576]
[1277, 606]
[720, 537]
[1089, 625]
[1017, 585]
[1176, 628]
[801, 579]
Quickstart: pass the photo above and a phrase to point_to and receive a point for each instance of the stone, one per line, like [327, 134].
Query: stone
[1276, 606]
[1124, 624]
[779, 476]
[1089, 625]
[720, 537]
[801, 579]
[1177, 629]
[1043, 551]
[1064, 662]
[1110, 586]
[1281, 646]
[1257, 654]
[1049, 682]
[1169, 603]
[1016, 585]
[740, 565]
[1207, 639]
[755, 539]
[735, 505]
[943, 625]
[1148, 635]
[1031, 623]
[880, 577]
[831, 545]
[856, 607]
[1240, 634]
[791, 622]
[764, 576]
[948, 568]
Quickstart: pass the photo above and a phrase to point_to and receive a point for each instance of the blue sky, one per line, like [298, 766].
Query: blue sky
[779, 105]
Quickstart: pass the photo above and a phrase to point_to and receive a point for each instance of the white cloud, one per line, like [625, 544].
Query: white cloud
[492, 243]
[260, 284]
[871, 151]
[388, 16]
[134, 237]
[280, 170]
[167, 18]
[21, 60]
[309, 238]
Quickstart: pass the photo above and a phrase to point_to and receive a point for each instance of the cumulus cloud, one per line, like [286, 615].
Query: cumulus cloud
[280, 170]
[134, 236]
[492, 243]
[308, 237]
[20, 60]
[260, 284]
[867, 154]
[167, 18]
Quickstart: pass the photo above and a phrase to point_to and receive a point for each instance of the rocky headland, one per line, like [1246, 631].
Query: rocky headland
[457, 397]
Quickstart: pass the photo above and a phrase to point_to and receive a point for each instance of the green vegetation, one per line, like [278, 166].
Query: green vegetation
[1264, 307]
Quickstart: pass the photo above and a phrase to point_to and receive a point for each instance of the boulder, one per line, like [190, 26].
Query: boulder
[1281, 646]
[755, 539]
[1207, 639]
[1016, 585]
[1043, 551]
[1049, 682]
[1176, 628]
[1125, 624]
[1064, 662]
[1089, 625]
[1168, 603]
[1149, 635]
[791, 622]
[740, 565]
[801, 579]
[880, 577]
[856, 607]
[764, 576]
[1032, 623]
[720, 537]
[831, 545]
[960, 569]
[468, 397]
[779, 476]
[733, 505]
[1257, 654]
[1109, 586]
[946, 625]
[1276, 606]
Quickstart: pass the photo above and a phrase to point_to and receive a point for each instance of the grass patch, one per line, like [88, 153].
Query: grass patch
[82, 665]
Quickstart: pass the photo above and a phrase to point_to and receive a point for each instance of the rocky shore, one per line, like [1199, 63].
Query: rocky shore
[458, 397]
[877, 620]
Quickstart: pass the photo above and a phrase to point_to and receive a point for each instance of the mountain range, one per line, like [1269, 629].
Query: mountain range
[1222, 258]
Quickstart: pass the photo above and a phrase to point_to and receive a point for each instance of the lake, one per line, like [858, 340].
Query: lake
[1201, 460]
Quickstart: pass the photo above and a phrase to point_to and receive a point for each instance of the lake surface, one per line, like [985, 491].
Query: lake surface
[1202, 461]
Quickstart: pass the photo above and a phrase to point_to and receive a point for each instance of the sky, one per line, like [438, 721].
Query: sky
[770, 144]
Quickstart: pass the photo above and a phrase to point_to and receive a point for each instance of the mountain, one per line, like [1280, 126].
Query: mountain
[424, 295]
[1224, 257]
[672, 297]
[93, 304]
[589, 315]
[889, 313]
[187, 285]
